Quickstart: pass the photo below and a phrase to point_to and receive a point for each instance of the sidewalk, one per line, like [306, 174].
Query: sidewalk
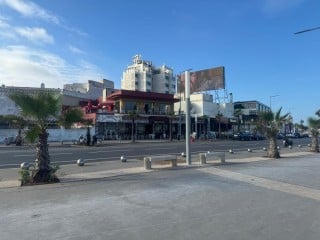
[95, 170]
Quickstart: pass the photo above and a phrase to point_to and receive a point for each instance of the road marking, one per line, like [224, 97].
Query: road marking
[32, 155]
[266, 183]
[120, 150]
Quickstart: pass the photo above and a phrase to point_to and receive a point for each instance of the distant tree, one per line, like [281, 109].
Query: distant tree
[269, 124]
[133, 116]
[238, 112]
[314, 124]
[70, 116]
[171, 116]
[219, 117]
[40, 109]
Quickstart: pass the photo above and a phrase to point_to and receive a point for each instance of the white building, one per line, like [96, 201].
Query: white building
[71, 95]
[90, 90]
[203, 104]
[8, 107]
[141, 75]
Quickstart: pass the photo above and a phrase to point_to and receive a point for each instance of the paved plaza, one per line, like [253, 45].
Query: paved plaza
[246, 198]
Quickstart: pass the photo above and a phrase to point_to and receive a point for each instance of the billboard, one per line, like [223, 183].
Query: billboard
[203, 80]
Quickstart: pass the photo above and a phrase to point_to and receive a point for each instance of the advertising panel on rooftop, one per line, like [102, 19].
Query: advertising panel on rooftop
[203, 80]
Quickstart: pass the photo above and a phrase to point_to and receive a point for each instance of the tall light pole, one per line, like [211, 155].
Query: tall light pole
[271, 98]
[188, 120]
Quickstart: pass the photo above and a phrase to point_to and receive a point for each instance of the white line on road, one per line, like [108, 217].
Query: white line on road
[32, 155]
[266, 183]
[111, 150]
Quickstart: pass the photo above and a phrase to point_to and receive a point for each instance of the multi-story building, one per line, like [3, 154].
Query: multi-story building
[73, 95]
[141, 75]
[246, 114]
[206, 113]
[9, 107]
[152, 113]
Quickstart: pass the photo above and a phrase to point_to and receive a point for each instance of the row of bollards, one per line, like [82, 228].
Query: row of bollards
[81, 162]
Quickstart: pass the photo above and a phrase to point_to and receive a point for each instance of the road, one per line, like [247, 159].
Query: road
[274, 199]
[11, 157]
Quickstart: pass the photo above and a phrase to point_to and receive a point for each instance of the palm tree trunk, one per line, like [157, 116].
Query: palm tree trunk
[273, 151]
[314, 143]
[170, 129]
[132, 130]
[42, 169]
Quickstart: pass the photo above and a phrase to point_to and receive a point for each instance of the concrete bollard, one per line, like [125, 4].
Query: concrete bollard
[123, 158]
[264, 149]
[25, 165]
[202, 158]
[249, 150]
[231, 151]
[147, 163]
[80, 162]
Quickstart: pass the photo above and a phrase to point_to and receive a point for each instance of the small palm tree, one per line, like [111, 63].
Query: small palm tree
[269, 123]
[238, 114]
[133, 115]
[219, 117]
[314, 124]
[41, 108]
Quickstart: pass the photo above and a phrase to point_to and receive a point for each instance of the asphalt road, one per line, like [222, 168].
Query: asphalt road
[12, 157]
[274, 199]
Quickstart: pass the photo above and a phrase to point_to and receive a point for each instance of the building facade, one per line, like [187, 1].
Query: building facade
[141, 75]
[246, 114]
[142, 114]
[8, 107]
[74, 95]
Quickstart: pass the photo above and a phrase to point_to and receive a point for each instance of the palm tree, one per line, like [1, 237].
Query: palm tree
[314, 124]
[133, 115]
[40, 108]
[219, 118]
[269, 123]
[238, 114]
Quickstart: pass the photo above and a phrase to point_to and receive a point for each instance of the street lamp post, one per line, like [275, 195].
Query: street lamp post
[187, 92]
[271, 98]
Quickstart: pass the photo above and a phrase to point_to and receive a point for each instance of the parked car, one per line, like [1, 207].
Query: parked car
[258, 136]
[243, 136]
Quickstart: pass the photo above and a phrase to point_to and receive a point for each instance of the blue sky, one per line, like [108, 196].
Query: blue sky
[68, 41]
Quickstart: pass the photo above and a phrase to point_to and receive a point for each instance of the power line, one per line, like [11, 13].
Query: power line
[307, 30]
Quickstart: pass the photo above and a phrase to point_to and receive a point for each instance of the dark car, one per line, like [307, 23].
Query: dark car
[243, 136]
[258, 136]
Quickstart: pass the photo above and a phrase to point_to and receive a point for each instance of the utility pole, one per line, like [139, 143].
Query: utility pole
[188, 122]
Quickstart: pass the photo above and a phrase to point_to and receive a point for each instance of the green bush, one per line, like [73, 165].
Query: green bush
[25, 177]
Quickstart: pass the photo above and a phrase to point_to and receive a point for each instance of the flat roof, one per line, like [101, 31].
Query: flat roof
[128, 94]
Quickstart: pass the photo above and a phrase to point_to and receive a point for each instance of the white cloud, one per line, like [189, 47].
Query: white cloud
[75, 50]
[5, 31]
[30, 9]
[35, 34]
[22, 66]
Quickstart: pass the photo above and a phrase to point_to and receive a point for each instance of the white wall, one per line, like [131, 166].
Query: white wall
[202, 104]
[54, 134]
